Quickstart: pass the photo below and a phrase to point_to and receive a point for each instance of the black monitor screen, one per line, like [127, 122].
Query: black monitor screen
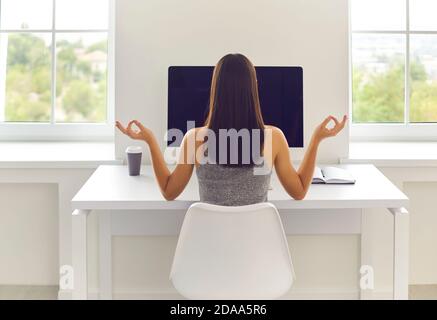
[280, 93]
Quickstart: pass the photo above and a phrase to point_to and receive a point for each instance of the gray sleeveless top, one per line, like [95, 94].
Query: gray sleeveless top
[232, 186]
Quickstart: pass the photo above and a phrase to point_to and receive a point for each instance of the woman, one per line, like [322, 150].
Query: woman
[228, 177]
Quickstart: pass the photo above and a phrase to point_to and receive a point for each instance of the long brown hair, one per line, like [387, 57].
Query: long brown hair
[234, 102]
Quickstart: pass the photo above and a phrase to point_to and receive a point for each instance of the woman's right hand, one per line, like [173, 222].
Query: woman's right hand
[322, 131]
[142, 133]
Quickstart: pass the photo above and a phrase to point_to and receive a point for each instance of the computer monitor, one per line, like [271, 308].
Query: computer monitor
[280, 93]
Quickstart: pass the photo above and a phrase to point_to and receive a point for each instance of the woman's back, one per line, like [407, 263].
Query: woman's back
[232, 186]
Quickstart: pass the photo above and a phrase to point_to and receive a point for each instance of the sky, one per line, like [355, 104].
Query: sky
[70, 14]
[391, 15]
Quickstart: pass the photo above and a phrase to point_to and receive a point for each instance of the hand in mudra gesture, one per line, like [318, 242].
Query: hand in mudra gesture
[322, 131]
[135, 130]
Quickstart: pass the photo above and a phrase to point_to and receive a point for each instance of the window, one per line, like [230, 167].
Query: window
[56, 69]
[394, 69]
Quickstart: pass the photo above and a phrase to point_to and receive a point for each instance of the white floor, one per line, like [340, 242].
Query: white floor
[28, 292]
[423, 292]
[417, 292]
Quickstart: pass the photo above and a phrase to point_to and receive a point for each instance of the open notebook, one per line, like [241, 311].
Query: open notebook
[332, 175]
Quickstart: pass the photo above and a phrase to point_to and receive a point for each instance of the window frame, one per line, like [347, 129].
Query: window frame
[406, 131]
[53, 131]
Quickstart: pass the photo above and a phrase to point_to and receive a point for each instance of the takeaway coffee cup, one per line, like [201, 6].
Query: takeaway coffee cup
[134, 154]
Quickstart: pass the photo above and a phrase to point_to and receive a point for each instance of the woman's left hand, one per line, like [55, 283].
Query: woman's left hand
[322, 131]
[138, 133]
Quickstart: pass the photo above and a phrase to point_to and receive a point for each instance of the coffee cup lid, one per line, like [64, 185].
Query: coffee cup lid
[134, 149]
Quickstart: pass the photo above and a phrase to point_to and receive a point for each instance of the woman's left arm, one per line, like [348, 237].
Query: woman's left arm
[173, 183]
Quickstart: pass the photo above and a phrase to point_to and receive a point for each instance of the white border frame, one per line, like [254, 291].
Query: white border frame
[405, 131]
[15, 131]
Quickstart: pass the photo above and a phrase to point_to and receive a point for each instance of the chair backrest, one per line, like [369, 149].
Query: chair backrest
[232, 253]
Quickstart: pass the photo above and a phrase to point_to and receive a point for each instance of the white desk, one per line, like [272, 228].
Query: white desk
[338, 208]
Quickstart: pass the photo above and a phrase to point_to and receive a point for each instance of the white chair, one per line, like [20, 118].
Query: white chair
[232, 253]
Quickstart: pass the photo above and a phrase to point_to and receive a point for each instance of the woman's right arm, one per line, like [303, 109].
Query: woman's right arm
[297, 183]
[170, 183]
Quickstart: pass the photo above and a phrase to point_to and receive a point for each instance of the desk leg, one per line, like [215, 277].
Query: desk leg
[79, 250]
[105, 255]
[366, 252]
[400, 253]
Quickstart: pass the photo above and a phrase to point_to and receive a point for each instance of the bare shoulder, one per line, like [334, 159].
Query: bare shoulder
[200, 130]
[277, 134]
[194, 132]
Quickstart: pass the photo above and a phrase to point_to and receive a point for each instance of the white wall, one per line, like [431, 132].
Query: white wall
[35, 223]
[423, 226]
[28, 234]
[155, 34]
